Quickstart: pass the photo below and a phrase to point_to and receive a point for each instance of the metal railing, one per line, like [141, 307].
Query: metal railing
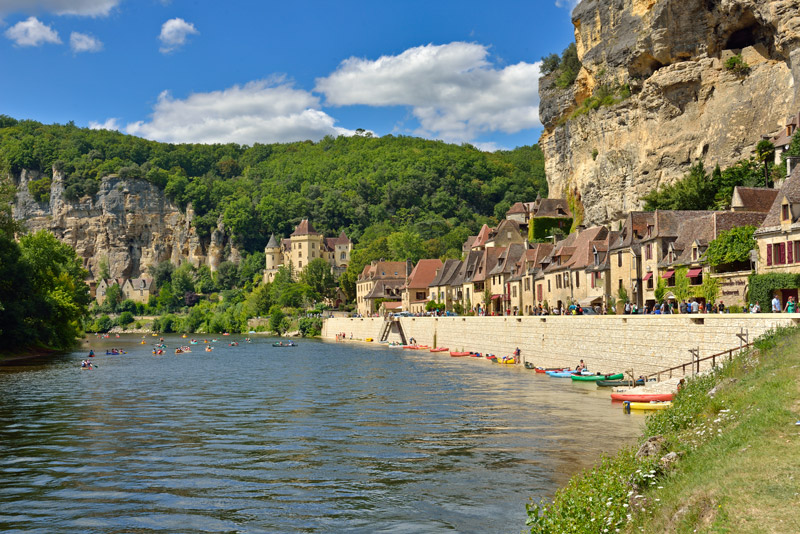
[694, 365]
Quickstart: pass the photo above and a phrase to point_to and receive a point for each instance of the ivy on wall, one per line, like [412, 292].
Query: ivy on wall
[762, 286]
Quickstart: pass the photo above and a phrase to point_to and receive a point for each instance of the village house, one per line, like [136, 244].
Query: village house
[523, 212]
[533, 293]
[502, 290]
[443, 289]
[507, 233]
[380, 280]
[478, 283]
[625, 257]
[103, 285]
[302, 247]
[477, 242]
[137, 289]
[415, 290]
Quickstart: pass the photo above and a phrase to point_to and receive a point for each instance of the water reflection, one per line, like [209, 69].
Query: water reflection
[261, 439]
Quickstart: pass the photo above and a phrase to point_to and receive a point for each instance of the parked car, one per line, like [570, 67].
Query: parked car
[588, 310]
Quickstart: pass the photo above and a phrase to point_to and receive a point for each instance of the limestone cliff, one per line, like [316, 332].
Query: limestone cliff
[684, 104]
[128, 222]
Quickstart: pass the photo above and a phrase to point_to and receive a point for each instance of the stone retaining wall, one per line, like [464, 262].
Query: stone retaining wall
[609, 343]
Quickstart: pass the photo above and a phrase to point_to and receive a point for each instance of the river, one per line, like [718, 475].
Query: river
[319, 437]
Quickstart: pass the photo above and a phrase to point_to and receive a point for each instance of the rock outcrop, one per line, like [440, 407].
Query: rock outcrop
[685, 105]
[128, 223]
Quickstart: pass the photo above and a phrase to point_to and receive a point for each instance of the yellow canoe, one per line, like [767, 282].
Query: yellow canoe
[647, 405]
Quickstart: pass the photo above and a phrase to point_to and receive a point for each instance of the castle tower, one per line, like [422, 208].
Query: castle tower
[274, 259]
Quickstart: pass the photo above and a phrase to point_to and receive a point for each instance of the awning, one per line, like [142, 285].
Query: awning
[647, 277]
[590, 301]
[494, 297]
[667, 275]
[693, 273]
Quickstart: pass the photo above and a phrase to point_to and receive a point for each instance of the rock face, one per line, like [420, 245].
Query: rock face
[684, 105]
[129, 223]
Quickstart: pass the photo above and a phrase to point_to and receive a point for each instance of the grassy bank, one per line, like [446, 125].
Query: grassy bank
[724, 459]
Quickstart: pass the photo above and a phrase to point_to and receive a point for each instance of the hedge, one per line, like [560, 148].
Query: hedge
[762, 286]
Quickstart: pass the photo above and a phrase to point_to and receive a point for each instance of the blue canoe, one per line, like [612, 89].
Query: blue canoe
[566, 374]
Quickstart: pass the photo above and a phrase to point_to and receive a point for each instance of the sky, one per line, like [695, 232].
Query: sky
[242, 71]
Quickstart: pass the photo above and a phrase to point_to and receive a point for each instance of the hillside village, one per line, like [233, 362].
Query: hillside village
[653, 257]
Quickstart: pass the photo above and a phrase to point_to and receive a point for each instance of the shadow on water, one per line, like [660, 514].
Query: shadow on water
[255, 438]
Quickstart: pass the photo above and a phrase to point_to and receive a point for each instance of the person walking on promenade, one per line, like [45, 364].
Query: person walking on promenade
[776, 304]
[695, 307]
[791, 306]
[517, 353]
[755, 308]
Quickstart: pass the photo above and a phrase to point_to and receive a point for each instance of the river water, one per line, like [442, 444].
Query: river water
[320, 437]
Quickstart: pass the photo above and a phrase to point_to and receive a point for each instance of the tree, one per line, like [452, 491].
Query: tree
[660, 290]
[204, 280]
[227, 275]
[695, 191]
[550, 63]
[113, 298]
[683, 288]
[277, 321]
[622, 295]
[709, 290]
[318, 276]
[60, 296]
[765, 153]
[406, 245]
[183, 280]
[162, 273]
[103, 271]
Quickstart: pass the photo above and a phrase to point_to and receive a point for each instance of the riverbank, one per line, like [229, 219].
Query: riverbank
[722, 459]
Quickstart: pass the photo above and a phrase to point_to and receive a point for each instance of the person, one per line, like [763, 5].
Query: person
[776, 304]
[91, 353]
[627, 308]
[581, 366]
[790, 305]
[721, 307]
[756, 308]
[83, 363]
[517, 352]
[681, 384]
[695, 306]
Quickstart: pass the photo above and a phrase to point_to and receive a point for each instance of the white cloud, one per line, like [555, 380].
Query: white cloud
[109, 124]
[174, 33]
[454, 92]
[60, 7]
[81, 42]
[260, 111]
[32, 32]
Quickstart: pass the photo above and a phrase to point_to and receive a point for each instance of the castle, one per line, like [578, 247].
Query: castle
[302, 247]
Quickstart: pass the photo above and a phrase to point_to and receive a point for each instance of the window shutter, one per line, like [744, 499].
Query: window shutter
[769, 255]
[790, 252]
[783, 253]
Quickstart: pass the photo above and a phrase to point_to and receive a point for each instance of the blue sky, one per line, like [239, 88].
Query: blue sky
[261, 71]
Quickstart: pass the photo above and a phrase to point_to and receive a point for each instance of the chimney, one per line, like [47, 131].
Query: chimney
[409, 267]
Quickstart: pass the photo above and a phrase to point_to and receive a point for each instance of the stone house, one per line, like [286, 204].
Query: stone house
[417, 285]
[755, 199]
[380, 280]
[477, 242]
[103, 285]
[500, 280]
[302, 247]
[460, 284]
[443, 288]
[533, 293]
[625, 256]
[555, 277]
[475, 285]
[137, 289]
[507, 233]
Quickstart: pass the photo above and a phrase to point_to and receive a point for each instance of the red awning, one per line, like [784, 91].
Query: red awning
[497, 297]
[647, 277]
[667, 275]
[693, 273]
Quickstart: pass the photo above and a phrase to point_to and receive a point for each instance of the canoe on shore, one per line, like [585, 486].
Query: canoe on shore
[459, 354]
[629, 405]
[556, 369]
[595, 378]
[440, 349]
[641, 397]
[617, 383]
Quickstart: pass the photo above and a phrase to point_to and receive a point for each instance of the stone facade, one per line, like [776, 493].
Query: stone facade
[304, 246]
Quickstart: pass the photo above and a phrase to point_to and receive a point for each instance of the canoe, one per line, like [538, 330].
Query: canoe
[545, 369]
[459, 354]
[368, 340]
[594, 378]
[560, 374]
[506, 362]
[440, 349]
[281, 344]
[641, 397]
[617, 383]
[529, 365]
[628, 405]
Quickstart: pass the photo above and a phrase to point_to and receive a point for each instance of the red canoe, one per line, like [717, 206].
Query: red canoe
[459, 354]
[440, 349]
[544, 370]
[641, 397]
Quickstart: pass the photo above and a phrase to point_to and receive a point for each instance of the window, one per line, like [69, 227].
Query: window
[548, 289]
[508, 235]
[343, 256]
[528, 280]
[785, 212]
[591, 280]
[514, 291]
[577, 279]
[313, 245]
[300, 264]
[650, 283]
[566, 279]
[619, 259]
[694, 254]
[648, 250]
[620, 283]
[313, 254]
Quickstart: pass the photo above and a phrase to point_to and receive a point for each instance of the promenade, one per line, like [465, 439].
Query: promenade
[607, 343]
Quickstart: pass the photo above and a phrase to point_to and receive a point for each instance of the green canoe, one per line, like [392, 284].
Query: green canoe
[617, 383]
[595, 378]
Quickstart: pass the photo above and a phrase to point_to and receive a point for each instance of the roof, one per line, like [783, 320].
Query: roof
[789, 190]
[633, 230]
[468, 268]
[446, 273]
[552, 207]
[385, 289]
[384, 270]
[754, 198]
[700, 231]
[304, 228]
[583, 254]
[272, 242]
[423, 274]
[482, 237]
[518, 207]
[143, 282]
[488, 260]
[508, 259]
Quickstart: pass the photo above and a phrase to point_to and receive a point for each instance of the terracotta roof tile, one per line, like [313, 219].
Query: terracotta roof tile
[423, 274]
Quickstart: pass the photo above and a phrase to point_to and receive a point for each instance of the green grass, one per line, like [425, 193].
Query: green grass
[738, 469]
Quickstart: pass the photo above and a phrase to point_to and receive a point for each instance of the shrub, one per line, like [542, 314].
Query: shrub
[125, 318]
[40, 189]
[762, 286]
[310, 326]
[737, 65]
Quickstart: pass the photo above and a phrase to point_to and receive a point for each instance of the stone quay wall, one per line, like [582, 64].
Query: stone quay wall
[610, 343]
